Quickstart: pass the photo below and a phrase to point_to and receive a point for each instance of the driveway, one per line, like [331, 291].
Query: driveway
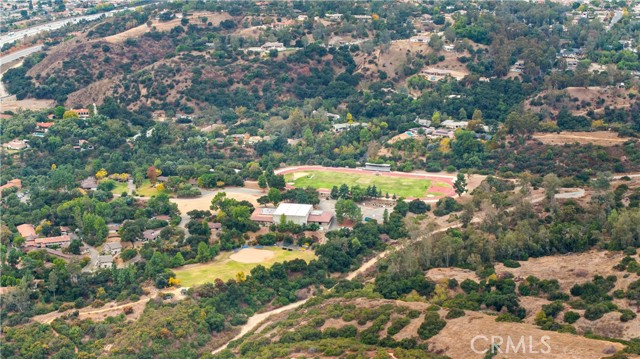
[93, 255]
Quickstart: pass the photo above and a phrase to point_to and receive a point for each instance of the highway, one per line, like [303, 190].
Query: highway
[35, 30]
[20, 54]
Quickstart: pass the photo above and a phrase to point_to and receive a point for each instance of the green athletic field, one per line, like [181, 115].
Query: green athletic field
[401, 187]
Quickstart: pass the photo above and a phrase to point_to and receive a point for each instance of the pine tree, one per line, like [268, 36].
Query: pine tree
[460, 185]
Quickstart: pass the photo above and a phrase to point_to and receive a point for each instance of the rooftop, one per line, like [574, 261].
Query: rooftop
[293, 209]
[52, 240]
[26, 230]
[320, 216]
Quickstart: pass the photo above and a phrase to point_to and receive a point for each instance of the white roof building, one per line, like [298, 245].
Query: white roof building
[293, 210]
[454, 124]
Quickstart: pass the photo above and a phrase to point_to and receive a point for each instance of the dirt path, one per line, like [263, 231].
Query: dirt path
[254, 321]
[110, 308]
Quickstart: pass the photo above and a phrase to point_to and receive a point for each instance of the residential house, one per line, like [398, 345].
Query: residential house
[341, 127]
[113, 227]
[362, 17]
[255, 139]
[422, 121]
[303, 17]
[83, 145]
[435, 74]
[454, 125]
[215, 227]
[449, 48]
[237, 137]
[518, 66]
[17, 144]
[278, 46]
[282, 24]
[572, 54]
[27, 231]
[112, 248]
[420, 38]
[333, 17]
[83, 113]
[89, 183]
[16, 182]
[43, 127]
[104, 262]
[150, 235]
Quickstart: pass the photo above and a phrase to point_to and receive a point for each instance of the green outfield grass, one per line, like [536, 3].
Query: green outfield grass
[225, 268]
[401, 187]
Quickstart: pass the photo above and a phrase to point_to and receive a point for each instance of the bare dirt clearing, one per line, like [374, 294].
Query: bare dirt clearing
[214, 18]
[12, 104]
[438, 274]
[252, 255]
[579, 100]
[571, 269]
[203, 202]
[600, 138]
[456, 338]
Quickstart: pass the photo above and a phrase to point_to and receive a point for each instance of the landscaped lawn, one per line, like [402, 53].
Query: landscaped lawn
[225, 268]
[146, 189]
[120, 187]
[401, 187]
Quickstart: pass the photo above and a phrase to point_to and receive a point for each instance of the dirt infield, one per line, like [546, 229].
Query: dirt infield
[252, 255]
[440, 183]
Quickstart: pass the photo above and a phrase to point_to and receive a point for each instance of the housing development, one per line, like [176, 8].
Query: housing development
[319, 179]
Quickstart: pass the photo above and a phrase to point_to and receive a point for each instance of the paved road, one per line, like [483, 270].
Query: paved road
[20, 54]
[93, 253]
[3, 91]
[617, 15]
[35, 30]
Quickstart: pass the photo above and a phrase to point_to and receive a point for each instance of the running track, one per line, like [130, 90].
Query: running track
[446, 191]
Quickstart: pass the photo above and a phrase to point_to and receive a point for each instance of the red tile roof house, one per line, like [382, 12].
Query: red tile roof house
[83, 113]
[43, 126]
[27, 231]
[61, 241]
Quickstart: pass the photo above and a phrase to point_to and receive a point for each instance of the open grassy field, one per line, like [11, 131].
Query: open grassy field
[225, 268]
[405, 187]
[147, 189]
[120, 187]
